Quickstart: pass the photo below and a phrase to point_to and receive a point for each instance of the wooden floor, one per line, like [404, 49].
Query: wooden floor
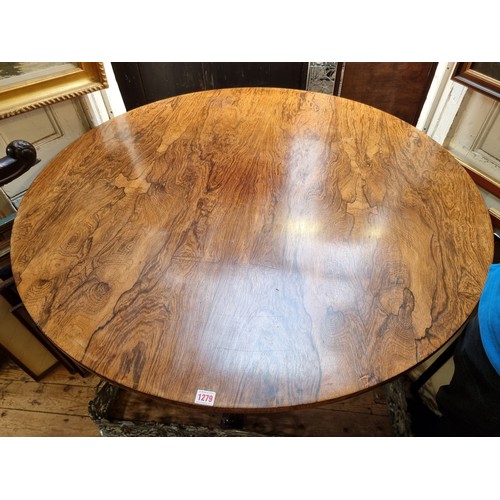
[57, 406]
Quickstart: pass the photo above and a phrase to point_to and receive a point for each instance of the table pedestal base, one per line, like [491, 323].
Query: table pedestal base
[106, 394]
[381, 412]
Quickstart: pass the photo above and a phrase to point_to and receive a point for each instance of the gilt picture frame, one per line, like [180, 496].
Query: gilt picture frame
[28, 86]
[481, 76]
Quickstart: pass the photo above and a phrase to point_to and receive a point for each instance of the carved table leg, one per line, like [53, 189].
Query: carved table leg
[100, 406]
[396, 402]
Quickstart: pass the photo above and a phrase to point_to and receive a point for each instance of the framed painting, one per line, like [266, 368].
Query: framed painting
[481, 76]
[25, 86]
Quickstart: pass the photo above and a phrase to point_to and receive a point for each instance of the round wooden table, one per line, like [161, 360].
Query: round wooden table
[251, 249]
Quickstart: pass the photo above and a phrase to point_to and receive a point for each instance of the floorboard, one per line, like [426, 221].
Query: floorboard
[23, 423]
[56, 406]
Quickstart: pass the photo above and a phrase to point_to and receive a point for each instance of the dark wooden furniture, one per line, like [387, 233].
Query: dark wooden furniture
[277, 248]
[146, 82]
[398, 88]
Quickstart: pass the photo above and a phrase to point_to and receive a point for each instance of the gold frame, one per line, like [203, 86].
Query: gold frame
[487, 85]
[31, 94]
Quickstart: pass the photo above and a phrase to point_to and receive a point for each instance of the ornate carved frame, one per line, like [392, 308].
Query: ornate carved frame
[83, 78]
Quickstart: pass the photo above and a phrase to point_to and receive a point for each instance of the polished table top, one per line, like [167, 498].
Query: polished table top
[273, 247]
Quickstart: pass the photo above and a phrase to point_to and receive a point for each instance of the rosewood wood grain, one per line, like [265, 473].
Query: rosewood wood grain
[278, 247]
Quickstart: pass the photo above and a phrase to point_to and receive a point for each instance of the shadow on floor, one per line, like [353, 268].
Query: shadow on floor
[425, 423]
